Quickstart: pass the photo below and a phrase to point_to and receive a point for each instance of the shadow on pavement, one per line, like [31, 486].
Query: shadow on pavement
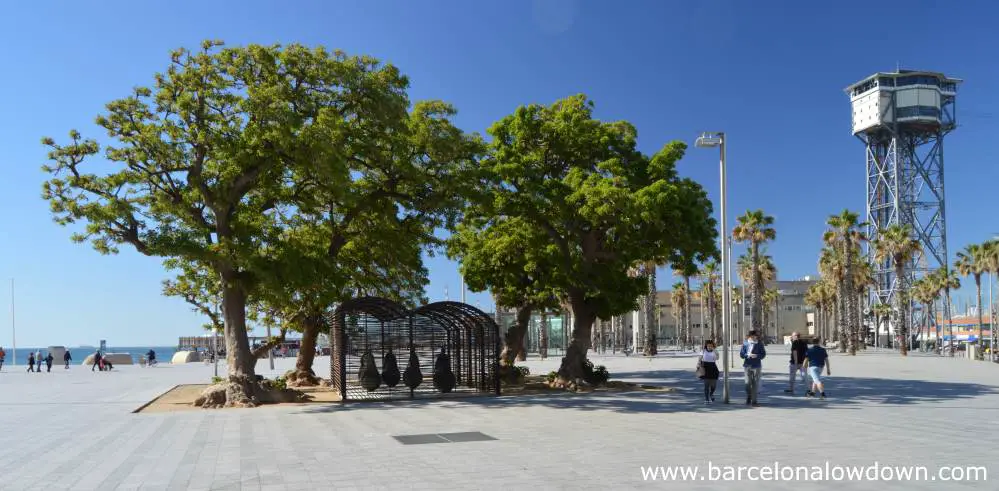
[843, 392]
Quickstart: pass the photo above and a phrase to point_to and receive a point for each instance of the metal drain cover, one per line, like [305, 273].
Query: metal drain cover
[461, 437]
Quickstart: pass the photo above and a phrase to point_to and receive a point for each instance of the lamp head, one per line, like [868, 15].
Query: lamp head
[708, 140]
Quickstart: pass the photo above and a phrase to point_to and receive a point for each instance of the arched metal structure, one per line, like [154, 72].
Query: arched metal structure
[369, 331]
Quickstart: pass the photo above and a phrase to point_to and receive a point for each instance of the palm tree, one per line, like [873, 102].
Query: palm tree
[649, 307]
[680, 300]
[686, 269]
[992, 265]
[765, 271]
[844, 233]
[755, 228]
[882, 312]
[863, 278]
[924, 291]
[945, 281]
[831, 266]
[972, 262]
[771, 297]
[709, 290]
[897, 245]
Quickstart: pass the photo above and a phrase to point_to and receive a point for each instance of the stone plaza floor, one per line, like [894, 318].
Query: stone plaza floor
[74, 429]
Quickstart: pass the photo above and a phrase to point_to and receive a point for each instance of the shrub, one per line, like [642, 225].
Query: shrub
[514, 375]
[217, 380]
[552, 375]
[595, 375]
[522, 372]
[280, 383]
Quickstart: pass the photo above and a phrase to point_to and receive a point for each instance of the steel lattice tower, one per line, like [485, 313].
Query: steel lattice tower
[902, 117]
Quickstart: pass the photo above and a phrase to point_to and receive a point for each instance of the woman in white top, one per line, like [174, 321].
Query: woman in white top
[707, 370]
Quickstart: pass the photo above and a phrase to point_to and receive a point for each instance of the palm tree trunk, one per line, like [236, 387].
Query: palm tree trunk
[842, 316]
[903, 310]
[687, 328]
[950, 320]
[756, 309]
[979, 353]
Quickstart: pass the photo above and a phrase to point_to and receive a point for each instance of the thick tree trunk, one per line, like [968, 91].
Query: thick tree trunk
[571, 370]
[241, 389]
[650, 312]
[303, 375]
[513, 341]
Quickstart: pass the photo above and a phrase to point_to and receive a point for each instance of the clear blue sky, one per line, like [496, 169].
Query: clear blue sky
[770, 73]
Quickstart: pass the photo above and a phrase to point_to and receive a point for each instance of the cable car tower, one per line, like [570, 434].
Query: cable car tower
[902, 117]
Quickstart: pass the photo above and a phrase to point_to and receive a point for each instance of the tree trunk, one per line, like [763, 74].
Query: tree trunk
[903, 311]
[275, 341]
[241, 389]
[979, 353]
[303, 375]
[950, 320]
[513, 341]
[571, 370]
[756, 309]
[650, 312]
[688, 328]
[841, 316]
[543, 336]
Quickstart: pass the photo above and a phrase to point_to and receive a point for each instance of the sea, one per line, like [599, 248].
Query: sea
[79, 353]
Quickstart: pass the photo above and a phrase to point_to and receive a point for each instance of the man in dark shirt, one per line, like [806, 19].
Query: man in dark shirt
[798, 349]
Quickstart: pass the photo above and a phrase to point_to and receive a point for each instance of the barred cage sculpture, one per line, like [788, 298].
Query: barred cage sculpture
[381, 350]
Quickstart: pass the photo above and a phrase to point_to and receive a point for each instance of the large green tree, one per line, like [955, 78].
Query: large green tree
[598, 201]
[233, 151]
[369, 217]
[511, 259]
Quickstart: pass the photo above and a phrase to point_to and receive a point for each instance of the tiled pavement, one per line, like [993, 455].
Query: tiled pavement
[74, 430]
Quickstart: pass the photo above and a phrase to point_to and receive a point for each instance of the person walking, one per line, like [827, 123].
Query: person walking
[752, 354]
[707, 370]
[66, 357]
[3, 356]
[48, 362]
[31, 362]
[798, 349]
[815, 358]
[97, 360]
[38, 361]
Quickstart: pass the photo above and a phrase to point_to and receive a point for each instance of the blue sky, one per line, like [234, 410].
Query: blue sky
[770, 73]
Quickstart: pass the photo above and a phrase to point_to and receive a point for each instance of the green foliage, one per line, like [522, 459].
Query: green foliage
[217, 380]
[587, 201]
[595, 375]
[285, 176]
[514, 374]
[279, 383]
[552, 376]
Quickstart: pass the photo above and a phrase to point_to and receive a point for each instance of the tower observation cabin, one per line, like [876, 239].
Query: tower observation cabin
[902, 118]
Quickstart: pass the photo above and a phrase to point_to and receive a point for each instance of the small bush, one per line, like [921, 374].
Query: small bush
[514, 375]
[552, 375]
[522, 371]
[217, 380]
[595, 375]
[280, 383]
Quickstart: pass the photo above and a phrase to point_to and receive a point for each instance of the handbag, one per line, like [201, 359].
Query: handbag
[700, 368]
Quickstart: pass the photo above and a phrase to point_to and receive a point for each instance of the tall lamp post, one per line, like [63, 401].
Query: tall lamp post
[708, 140]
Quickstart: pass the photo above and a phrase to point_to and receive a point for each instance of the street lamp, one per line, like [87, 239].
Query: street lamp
[708, 140]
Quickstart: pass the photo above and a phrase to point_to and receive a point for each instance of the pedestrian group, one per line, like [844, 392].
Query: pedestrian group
[804, 358]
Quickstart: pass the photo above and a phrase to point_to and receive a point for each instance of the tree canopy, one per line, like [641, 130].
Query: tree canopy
[594, 202]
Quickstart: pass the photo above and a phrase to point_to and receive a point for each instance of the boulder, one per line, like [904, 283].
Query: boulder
[114, 358]
[185, 357]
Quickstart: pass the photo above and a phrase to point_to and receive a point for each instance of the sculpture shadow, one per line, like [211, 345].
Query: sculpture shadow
[687, 396]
